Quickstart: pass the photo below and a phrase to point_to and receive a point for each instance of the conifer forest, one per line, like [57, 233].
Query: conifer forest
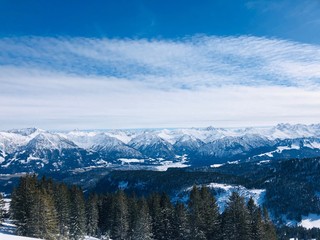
[50, 210]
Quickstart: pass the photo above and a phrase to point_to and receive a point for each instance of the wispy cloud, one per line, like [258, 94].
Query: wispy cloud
[111, 83]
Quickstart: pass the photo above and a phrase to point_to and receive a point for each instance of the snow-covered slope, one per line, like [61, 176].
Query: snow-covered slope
[222, 192]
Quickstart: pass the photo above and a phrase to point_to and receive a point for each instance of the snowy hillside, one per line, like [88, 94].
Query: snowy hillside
[222, 192]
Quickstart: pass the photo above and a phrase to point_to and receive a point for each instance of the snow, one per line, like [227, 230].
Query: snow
[131, 160]
[6, 204]
[280, 149]
[216, 165]
[122, 136]
[7, 232]
[224, 191]
[4, 236]
[310, 221]
[170, 164]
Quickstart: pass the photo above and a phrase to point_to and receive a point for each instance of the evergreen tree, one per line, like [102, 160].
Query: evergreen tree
[204, 214]
[142, 227]
[133, 210]
[21, 205]
[269, 229]
[43, 219]
[196, 218]
[105, 204]
[92, 215]
[62, 205]
[167, 218]
[209, 214]
[120, 217]
[181, 223]
[2, 211]
[256, 228]
[236, 219]
[155, 210]
[77, 214]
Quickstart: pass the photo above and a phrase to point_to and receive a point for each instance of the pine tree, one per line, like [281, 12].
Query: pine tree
[77, 214]
[155, 210]
[133, 210]
[62, 205]
[142, 226]
[22, 203]
[196, 218]
[236, 219]
[209, 214]
[120, 217]
[2, 211]
[256, 230]
[167, 218]
[181, 223]
[92, 215]
[204, 214]
[43, 219]
[269, 229]
[33, 210]
[105, 209]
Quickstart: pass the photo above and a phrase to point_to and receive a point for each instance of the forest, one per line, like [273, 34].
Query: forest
[50, 210]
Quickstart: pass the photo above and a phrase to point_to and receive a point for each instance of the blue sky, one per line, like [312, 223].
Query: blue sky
[137, 64]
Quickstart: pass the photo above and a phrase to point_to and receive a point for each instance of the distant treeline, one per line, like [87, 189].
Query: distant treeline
[50, 210]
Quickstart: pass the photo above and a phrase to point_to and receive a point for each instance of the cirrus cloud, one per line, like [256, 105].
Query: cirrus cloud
[63, 83]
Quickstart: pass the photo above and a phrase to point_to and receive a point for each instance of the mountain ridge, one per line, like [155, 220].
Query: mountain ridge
[198, 146]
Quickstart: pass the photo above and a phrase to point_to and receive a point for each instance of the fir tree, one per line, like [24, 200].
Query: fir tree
[63, 205]
[22, 204]
[105, 204]
[120, 217]
[2, 211]
[155, 210]
[181, 223]
[142, 227]
[204, 214]
[43, 219]
[209, 214]
[133, 210]
[256, 228]
[167, 217]
[196, 218]
[77, 214]
[92, 215]
[269, 229]
[236, 219]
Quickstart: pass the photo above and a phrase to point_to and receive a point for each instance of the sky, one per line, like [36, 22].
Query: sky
[158, 63]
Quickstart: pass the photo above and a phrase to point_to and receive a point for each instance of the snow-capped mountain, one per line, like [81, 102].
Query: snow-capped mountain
[234, 148]
[293, 148]
[108, 147]
[187, 144]
[32, 148]
[151, 145]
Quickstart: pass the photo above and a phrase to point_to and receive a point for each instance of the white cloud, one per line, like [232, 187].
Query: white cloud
[102, 83]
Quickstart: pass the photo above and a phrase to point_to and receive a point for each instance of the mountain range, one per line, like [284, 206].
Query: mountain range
[33, 150]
